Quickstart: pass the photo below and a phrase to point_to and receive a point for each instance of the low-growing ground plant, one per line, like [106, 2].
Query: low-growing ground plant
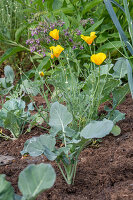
[14, 117]
[15, 112]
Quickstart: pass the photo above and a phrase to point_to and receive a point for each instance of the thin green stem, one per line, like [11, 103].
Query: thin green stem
[94, 97]
[62, 172]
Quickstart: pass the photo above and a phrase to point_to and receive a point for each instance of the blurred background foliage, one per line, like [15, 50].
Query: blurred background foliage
[17, 17]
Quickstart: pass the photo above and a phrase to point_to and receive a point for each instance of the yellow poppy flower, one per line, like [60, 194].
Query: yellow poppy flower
[89, 39]
[41, 74]
[56, 51]
[54, 34]
[98, 58]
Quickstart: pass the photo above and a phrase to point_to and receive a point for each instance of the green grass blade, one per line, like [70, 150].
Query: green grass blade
[118, 5]
[117, 24]
[129, 20]
[130, 77]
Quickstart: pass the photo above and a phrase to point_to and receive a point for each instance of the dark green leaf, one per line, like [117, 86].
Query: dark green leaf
[9, 53]
[94, 26]
[43, 63]
[20, 31]
[13, 124]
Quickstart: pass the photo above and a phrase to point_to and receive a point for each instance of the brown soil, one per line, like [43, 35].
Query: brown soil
[103, 173]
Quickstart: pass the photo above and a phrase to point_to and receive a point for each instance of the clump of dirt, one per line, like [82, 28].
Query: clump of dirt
[103, 173]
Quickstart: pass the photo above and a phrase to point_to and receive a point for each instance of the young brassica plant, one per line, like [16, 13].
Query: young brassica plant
[72, 142]
[14, 117]
[33, 180]
[6, 83]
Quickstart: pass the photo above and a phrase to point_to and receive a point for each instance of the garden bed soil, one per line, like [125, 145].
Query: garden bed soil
[105, 171]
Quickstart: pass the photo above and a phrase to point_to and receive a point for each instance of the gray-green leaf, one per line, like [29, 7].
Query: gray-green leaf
[97, 129]
[59, 116]
[120, 68]
[38, 145]
[36, 178]
[116, 116]
[9, 74]
[6, 190]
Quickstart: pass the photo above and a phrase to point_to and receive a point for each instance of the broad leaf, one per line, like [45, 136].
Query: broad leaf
[120, 68]
[9, 74]
[36, 146]
[30, 106]
[59, 116]
[6, 190]
[3, 82]
[42, 64]
[13, 104]
[110, 85]
[105, 69]
[49, 154]
[34, 179]
[70, 132]
[30, 87]
[13, 124]
[5, 91]
[97, 129]
[116, 116]
[2, 118]
[116, 130]
[119, 94]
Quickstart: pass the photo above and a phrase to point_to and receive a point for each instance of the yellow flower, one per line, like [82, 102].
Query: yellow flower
[89, 39]
[98, 58]
[56, 51]
[41, 74]
[54, 34]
